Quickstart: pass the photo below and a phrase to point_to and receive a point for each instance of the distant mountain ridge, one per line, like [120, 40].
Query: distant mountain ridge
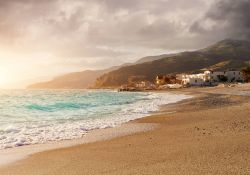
[226, 54]
[152, 58]
[84, 79]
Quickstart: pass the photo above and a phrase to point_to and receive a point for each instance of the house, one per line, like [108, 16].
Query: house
[210, 77]
[144, 85]
[224, 76]
[235, 76]
[192, 79]
[160, 80]
[166, 79]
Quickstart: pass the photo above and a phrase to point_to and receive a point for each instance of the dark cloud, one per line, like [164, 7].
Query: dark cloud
[133, 23]
[225, 19]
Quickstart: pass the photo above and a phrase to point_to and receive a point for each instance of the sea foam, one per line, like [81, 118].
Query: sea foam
[32, 117]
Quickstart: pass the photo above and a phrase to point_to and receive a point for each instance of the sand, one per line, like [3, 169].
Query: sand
[209, 134]
[8, 156]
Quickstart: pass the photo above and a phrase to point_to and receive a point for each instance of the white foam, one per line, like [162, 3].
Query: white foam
[27, 134]
[8, 156]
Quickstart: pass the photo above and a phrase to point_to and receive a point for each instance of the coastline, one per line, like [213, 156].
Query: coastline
[12, 155]
[202, 136]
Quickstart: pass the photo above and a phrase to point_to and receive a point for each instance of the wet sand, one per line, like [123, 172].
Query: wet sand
[8, 156]
[209, 134]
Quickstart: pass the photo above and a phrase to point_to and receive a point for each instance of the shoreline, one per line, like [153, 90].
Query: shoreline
[10, 156]
[206, 135]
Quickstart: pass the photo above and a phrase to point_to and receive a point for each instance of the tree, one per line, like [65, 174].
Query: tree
[222, 78]
[246, 72]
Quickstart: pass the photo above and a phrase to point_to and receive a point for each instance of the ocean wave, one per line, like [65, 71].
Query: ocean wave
[71, 114]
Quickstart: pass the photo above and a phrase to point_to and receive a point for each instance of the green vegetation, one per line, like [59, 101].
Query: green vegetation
[246, 71]
[222, 78]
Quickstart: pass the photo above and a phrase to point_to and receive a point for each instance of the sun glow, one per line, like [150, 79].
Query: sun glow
[2, 80]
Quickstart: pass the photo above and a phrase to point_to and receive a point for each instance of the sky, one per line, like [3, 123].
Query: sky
[40, 39]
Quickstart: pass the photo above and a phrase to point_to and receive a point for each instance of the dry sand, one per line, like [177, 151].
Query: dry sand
[206, 135]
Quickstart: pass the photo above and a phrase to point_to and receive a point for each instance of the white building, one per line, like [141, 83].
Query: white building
[144, 85]
[225, 76]
[192, 79]
[210, 78]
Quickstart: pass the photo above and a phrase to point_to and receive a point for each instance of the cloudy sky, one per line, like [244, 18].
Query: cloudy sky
[43, 38]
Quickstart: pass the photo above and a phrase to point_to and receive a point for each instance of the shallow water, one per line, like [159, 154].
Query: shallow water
[38, 116]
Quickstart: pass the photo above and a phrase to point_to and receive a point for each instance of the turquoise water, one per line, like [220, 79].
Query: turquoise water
[33, 116]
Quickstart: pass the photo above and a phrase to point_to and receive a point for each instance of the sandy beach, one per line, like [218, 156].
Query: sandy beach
[209, 134]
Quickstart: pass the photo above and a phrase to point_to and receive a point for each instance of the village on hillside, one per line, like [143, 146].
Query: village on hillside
[207, 78]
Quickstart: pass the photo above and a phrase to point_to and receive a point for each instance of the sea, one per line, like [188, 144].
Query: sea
[40, 116]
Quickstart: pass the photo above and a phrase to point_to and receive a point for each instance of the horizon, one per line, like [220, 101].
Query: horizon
[46, 39]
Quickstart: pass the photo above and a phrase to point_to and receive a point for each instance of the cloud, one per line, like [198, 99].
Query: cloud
[225, 19]
[65, 35]
[98, 22]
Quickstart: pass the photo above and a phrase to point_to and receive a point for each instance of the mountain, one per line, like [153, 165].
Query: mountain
[223, 55]
[152, 58]
[83, 79]
[226, 54]
[76, 80]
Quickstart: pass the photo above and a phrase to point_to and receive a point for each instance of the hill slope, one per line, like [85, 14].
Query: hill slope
[225, 54]
[84, 79]
[76, 80]
[152, 58]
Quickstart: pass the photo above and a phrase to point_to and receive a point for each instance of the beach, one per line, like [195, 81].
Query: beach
[208, 134]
